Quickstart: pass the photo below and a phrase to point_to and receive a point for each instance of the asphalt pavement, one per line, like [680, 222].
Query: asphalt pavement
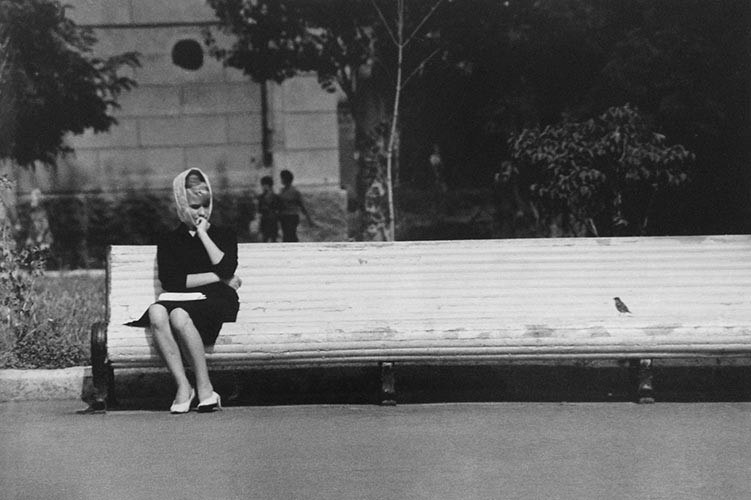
[608, 450]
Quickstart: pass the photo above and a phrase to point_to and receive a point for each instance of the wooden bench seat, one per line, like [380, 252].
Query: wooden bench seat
[455, 302]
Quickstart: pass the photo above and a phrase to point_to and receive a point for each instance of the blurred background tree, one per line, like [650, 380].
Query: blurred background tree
[50, 83]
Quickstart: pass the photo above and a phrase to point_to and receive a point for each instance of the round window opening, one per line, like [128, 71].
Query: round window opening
[187, 54]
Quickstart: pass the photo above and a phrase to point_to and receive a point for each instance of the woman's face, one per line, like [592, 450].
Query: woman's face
[198, 204]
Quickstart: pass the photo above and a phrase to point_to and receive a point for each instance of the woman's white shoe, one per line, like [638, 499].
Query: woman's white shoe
[213, 402]
[183, 407]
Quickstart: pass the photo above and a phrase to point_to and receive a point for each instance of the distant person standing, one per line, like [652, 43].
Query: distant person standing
[437, 167]
[268, 209]
[290, 206]
[39, 234]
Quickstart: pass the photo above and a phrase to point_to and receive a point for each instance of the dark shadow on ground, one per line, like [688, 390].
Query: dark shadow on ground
[576, 382]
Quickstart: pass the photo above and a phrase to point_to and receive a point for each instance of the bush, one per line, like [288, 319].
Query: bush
[47, 346]
[55, 333]
[44, 321]
[602, 176]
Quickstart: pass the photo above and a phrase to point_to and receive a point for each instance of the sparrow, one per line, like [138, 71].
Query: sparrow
[621, 306]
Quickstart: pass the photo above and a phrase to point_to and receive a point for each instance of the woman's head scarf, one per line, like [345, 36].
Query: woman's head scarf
[181, 194]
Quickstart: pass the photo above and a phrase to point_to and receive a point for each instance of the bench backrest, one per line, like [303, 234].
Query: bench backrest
[444, 300]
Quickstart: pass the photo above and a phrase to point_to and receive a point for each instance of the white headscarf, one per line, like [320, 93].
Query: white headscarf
[181, 196]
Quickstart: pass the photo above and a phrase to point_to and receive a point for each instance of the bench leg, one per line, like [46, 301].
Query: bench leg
[237, 387]
[388, 384]
[642, 376]
[101, 369]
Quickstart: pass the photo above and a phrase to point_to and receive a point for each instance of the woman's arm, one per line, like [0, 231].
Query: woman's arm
[215, 253]
[200, 279]
[223, 256]
[226, 240]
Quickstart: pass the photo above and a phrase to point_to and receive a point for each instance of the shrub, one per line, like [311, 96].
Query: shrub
[604, 174]
[55, 332]
[19, 270]
[48, 346]
[44, 322]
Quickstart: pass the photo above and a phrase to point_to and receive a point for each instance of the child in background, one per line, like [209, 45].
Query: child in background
[268, 208]
[39, 228]
[291, 206]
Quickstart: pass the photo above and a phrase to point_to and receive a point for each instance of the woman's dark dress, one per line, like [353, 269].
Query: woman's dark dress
[178, 254]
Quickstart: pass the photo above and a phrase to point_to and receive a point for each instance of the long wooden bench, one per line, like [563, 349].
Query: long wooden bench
[455, 302]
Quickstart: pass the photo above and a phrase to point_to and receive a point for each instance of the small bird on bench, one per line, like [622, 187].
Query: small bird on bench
[621, 306]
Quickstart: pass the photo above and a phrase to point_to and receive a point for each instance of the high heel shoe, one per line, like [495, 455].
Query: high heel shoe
[213, 402]
[183, 407]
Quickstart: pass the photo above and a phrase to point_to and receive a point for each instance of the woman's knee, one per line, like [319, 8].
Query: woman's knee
[158, 316]
[179, 319]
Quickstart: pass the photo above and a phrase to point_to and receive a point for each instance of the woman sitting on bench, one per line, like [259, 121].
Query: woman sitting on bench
[196, 265]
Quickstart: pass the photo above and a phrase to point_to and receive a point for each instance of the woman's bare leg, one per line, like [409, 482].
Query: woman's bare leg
[169, 350]
[190, 340]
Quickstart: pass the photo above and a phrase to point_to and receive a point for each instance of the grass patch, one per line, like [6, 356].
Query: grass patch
[56, 332]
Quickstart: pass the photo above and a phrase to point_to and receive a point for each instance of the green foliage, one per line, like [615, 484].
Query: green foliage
[22, 335]
[55, 333]
[603, 173]
[50, 84]
[277, 39]
[48, 346]
[18, 270]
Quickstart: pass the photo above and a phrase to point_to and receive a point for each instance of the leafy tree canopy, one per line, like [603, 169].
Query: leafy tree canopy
[50, 83]
[349, 41]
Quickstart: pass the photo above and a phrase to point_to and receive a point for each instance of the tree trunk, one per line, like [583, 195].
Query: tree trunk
[373, 184]
[371, 116]
[8, 214]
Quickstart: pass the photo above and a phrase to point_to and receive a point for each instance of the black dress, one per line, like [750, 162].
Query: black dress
[178, 254]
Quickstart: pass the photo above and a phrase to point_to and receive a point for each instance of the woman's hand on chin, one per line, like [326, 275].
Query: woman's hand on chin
[202, 225]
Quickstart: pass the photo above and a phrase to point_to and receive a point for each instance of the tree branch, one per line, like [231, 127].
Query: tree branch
[385, 23]
[420, 66]
[422, 23]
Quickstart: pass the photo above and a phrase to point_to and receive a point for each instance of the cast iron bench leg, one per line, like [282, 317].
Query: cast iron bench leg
[388, 384]
[101, 369]
[642, 376]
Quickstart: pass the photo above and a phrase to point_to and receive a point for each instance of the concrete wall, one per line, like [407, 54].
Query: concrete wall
[305, 131]
[104, 12]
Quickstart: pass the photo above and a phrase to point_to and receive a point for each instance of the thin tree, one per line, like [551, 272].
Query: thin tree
[397, 36]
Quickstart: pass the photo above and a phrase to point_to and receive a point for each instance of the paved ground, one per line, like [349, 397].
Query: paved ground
[439, 451]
